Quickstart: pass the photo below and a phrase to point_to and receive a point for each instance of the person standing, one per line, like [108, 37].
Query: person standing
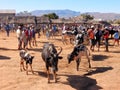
[106, 38]
[64, 29]
[7, 28]
[19, 35]
[34, 42]
[28, 34]
[116, 37]
[91, 37]
[98, 35]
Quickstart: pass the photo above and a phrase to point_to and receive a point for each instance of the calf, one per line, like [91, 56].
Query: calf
[25, 56]
[77, 53]
[50, 57]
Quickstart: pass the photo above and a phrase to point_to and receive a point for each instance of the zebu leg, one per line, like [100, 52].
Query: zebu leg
[27, 69]
[55, 75]
[87, 56]
[31, 68]
[22, 65]
[78, 63]
[48, 73]
[63, 39]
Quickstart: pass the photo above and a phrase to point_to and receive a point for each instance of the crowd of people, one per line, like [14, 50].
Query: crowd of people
[97, 34]
[26, 34]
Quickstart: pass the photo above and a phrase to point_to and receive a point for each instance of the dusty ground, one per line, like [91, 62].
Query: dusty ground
[105, 72]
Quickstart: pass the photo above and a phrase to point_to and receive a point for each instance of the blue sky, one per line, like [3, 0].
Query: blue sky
[105, 6]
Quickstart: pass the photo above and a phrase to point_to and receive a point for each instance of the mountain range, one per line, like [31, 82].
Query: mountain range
[70, 13]
[61, 13]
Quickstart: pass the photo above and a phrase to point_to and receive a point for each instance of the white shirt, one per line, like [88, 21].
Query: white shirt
[18, 32]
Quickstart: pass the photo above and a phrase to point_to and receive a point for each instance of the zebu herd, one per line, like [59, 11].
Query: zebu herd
[105, 67]
[51, 56]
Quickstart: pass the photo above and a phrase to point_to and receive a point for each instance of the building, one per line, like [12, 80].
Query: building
[7, 12]
[7, 16]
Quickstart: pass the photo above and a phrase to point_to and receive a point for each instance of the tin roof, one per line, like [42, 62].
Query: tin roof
[7, 11]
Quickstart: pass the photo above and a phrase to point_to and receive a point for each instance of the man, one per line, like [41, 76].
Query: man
[64, 29]
[19, 35]
[7, 28]
[28, 34]
[91, 37]
[106, 38]
[98, 34]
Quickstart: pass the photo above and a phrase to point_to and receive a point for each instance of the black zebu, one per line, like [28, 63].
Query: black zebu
[77, 53]
[50, 57]
[38, 29]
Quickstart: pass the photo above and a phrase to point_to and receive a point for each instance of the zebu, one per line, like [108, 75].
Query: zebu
[38, 29]
[77, 53]
[68, 35]
[25, 56]
[50, 57]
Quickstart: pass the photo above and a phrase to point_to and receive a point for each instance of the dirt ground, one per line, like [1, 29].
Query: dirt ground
[104, 74]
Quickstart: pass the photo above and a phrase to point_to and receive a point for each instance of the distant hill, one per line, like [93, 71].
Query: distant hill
[69, 13]
[61, 13]
[105, 16]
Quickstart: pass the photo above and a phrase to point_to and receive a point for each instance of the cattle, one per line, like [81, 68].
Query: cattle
[69, 35]
[38, 30]
[77, 53]
[25, 56]
[50, 57]
[79, 39]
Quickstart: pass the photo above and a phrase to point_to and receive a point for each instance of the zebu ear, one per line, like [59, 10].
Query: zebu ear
[60, 57]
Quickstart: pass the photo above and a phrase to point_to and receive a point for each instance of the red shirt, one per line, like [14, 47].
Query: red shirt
[28, 33]
[106, 36]
[91, 34]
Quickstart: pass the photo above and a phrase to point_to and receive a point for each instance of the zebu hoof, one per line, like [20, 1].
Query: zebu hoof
[48, 82]
[89, 66]
[32, 72]
[55, 81]
[77, 69]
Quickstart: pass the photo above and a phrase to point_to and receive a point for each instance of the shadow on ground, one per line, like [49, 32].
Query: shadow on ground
[99, 57]
[81, 82]
[98, 70]
[75, 81]
[4, 57]
[7, 49]
[115, 52]
[35, 49]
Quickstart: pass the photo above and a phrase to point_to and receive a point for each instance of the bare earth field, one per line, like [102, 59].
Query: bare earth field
[104, 74]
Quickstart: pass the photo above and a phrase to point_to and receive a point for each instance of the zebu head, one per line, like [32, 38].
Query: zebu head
[26, 56]
[54, 57]
[75, 52]
[72, 55]
[51, 55]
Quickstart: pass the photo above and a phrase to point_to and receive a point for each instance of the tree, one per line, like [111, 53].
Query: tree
[24, 13]
[117, 22]
[87, 17]
[51, 16]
